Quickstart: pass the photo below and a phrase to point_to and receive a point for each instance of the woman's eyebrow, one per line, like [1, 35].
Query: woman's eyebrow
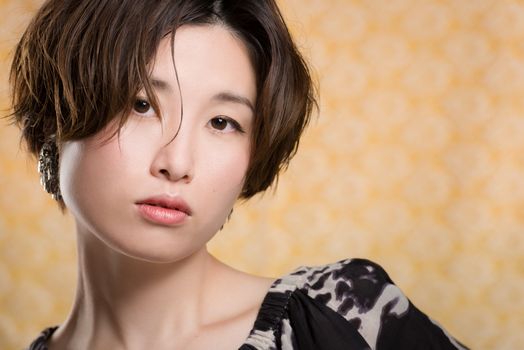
[224, 96]
[227, 96]
[161, 85]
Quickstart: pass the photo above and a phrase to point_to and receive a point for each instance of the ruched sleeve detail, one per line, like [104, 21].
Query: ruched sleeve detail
[40, 343]
[266, 333]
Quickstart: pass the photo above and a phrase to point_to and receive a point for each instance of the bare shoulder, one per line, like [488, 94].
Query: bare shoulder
[235, 291]
[232, 306]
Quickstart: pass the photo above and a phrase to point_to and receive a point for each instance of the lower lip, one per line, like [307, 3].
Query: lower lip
[160, 215]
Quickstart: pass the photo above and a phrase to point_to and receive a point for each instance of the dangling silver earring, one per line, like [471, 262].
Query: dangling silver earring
[48, 169]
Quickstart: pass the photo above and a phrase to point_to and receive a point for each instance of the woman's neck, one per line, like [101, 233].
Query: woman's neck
[125, 302]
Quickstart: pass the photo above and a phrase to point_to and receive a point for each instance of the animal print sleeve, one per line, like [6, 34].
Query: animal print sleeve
[362, 292]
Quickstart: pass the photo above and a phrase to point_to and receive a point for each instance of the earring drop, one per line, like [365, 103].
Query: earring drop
[48, 169]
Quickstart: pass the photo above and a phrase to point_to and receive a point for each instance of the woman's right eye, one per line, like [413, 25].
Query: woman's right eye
[141, 106]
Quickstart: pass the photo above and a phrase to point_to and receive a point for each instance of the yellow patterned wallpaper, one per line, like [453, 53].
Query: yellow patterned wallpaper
[415, 161]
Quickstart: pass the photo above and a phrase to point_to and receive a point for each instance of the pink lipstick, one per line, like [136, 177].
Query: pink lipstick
[164, 210]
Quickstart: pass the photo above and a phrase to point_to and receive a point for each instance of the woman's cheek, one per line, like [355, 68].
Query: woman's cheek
[232, 163]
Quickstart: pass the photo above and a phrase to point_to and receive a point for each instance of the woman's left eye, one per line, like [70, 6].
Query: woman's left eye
[225, 124]
[142, 106]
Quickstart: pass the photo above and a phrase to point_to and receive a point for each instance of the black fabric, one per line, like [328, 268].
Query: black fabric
[272, 310]
[40, 343]
[317, 327]
[414, 331]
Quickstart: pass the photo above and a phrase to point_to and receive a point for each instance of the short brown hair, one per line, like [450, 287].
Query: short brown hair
[80, 64]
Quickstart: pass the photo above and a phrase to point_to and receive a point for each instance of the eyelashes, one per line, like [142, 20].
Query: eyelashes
[219, 123]
[225, 124]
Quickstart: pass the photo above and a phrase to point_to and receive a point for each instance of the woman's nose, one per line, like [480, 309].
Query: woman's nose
[174, 158]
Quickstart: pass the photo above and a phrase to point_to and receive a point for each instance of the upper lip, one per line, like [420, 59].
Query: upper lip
[169, 202]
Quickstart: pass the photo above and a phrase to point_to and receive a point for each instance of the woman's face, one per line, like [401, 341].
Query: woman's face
[154, 196]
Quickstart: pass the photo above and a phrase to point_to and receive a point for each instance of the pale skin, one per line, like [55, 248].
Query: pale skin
[145, 284]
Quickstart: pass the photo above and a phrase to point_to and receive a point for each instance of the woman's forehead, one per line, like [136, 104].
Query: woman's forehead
[205, 59]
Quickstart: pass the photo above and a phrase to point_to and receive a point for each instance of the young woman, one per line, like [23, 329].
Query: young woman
[150, 119]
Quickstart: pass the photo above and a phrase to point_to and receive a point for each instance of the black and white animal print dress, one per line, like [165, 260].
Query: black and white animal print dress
[349, 305]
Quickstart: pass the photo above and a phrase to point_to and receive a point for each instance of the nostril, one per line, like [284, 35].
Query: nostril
[171, 172]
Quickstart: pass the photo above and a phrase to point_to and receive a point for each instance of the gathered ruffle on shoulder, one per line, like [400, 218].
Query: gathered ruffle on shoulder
[40, 343]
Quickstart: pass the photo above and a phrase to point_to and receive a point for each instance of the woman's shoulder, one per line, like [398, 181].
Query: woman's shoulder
[349, 287]
[359, 290]
[359, 279]
[351, 300]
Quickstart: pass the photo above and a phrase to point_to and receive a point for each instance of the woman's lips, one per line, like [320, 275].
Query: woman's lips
[161, 215]
[164, 210]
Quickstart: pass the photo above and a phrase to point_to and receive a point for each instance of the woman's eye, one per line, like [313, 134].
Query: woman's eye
[225, 124]
[141, 106]
[219, 123]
